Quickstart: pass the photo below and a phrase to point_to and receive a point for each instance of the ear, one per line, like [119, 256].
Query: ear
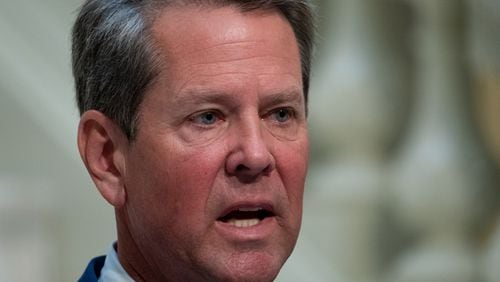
[102, 146]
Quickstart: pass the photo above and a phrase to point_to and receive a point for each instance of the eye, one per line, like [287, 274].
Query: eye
[283, 122]
[282, 114]
[206, 118]
[203, 127]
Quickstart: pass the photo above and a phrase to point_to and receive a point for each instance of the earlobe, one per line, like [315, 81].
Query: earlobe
[102, 145]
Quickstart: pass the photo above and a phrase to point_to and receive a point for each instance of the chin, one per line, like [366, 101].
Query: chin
[253, 266]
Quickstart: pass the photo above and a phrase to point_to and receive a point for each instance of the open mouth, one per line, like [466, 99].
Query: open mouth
[245, 217]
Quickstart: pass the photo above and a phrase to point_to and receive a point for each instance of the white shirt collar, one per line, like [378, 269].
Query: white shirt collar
[112, 270]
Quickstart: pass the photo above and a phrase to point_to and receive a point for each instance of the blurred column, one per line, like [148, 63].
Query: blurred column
[491, 259]
[441, 172]
[27, 220]
[484, 36]
[356, 108]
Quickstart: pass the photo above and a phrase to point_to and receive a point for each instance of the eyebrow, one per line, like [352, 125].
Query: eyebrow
[291, 95]
[201, 95]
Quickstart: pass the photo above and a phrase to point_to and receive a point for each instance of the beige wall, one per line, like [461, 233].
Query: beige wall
[52, 220]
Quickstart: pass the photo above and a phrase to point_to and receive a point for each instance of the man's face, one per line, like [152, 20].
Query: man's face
[215, 176]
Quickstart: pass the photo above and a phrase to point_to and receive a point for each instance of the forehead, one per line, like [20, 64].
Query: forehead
[179, 19]
[199, 30]
[206, 44]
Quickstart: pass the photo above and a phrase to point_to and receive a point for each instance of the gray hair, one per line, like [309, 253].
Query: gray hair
[115, 60]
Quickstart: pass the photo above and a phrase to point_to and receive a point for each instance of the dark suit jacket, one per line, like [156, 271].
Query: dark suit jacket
[93, 270]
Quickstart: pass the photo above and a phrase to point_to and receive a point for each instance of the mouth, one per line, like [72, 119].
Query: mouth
[244, 217]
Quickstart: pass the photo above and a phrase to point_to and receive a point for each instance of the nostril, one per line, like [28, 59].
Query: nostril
[248, 165]
[241, 168]
[267, 169]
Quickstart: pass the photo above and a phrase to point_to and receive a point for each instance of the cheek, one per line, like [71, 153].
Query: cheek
[175, 179]
[292, 163]
[292, 166]
[196, 170]
[167, 192]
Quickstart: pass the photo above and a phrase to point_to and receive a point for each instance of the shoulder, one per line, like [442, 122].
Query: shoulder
[93, 270]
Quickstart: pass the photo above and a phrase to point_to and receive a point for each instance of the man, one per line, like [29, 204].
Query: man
[193, 126]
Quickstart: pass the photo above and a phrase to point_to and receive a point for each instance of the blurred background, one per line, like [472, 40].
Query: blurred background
[405, 128]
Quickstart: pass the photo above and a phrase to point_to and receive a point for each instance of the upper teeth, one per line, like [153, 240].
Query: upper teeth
[249, 209]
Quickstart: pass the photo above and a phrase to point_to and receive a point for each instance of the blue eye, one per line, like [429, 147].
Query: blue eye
[283, 122]
[282, 115]
[206, 118]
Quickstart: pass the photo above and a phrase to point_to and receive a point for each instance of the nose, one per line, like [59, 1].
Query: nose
[250, 157]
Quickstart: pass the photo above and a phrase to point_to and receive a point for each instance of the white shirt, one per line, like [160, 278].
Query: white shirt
[113, 271]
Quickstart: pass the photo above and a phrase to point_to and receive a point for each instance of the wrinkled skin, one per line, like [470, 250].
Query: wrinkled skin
[223, 127]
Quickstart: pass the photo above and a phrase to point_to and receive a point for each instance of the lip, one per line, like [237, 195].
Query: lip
[259, 232]
[248, 205]
[264, 229]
